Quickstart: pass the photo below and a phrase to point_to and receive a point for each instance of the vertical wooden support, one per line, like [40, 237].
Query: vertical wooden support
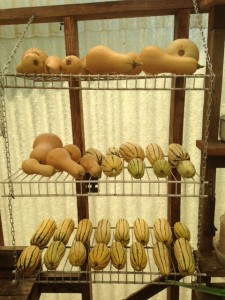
[1, 232]
[177, 104]
[71, 41]
[216, 38]
[72, 47]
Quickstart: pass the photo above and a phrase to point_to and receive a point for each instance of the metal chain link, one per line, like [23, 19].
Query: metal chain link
[4, 131]
[207, 125]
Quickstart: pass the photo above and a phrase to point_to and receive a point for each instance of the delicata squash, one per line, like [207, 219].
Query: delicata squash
[155, 61]
[101, 59]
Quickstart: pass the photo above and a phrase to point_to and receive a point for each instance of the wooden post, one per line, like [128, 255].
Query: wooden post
[72, 48]
[71, 41]
[1, 232]
[177, 103]
[216, 37]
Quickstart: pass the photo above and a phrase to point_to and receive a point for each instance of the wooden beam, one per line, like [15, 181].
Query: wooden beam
[76, 107]
[1, 232]
[10, 289]
[94, 11]
[6, 256]
[77, 121]
[177, 105]
[207, 4]
[216, 148]
[216, 38]
[151, 289]
[217, 21]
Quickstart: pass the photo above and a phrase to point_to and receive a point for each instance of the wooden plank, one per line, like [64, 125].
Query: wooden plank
[216, 38]
[10, 288]
[94, 11]
[63, 287]
[6, 256]
[213, 149]
[151, 289]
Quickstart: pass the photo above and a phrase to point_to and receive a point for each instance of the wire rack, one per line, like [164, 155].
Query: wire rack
[70, 274]
[105, 82]
[63, 184]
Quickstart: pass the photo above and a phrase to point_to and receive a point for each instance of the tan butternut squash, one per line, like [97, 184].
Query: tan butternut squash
[90, 164]
[61, 160]
[53, 65]
[43, 143]
[36, 51]
[74, 152]
[103, 60]
[71, 64]
[138, 67]
[32, 166]
[84, 70]
[183, 47]
[31, 64]
[156, 61]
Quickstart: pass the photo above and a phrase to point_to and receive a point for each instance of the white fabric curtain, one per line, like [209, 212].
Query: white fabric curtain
[110, 118]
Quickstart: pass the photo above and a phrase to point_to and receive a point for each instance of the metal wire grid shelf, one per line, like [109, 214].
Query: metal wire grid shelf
[105, 82]
[63, 184]
[66, 273]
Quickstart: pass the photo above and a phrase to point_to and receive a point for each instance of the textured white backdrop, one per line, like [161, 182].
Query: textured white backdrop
[110, 119]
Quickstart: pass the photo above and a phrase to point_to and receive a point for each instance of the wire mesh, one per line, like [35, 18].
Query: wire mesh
[105, 82]
[63, 184]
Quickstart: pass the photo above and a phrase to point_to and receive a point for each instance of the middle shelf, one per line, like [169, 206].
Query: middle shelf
[63, 184]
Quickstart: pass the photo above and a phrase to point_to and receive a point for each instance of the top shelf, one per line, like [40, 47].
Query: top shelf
[106, 82]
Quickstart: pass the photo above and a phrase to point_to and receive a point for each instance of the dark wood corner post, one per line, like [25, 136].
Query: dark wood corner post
[76, 107]
[216, 38]
[77, 123]
[177, 105]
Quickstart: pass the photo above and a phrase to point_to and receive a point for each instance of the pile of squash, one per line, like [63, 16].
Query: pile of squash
[180, 56]
[109, 245]
[49, 155]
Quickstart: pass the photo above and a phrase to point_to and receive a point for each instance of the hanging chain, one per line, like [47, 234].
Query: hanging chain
[3, 126]
[207, 125]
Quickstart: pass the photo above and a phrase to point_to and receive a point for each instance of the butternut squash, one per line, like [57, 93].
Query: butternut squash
[53, 65]
[84, 70]
[31, 63]
[74, 152]
[36, 51]
[103, 60]
[183, 47]
[61, 160]
[71, 64]
[32, 166]
[90, 164]
[137, 69]
[156, 61]
[42, 144]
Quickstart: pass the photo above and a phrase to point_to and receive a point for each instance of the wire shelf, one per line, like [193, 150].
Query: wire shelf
[66, 273]
[105, 82]
[63, 184]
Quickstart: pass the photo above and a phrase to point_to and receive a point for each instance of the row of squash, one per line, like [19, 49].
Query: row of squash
[49, 155]
[180, 56]
[99, 256]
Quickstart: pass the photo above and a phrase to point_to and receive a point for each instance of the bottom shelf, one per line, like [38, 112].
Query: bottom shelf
[66, 273]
